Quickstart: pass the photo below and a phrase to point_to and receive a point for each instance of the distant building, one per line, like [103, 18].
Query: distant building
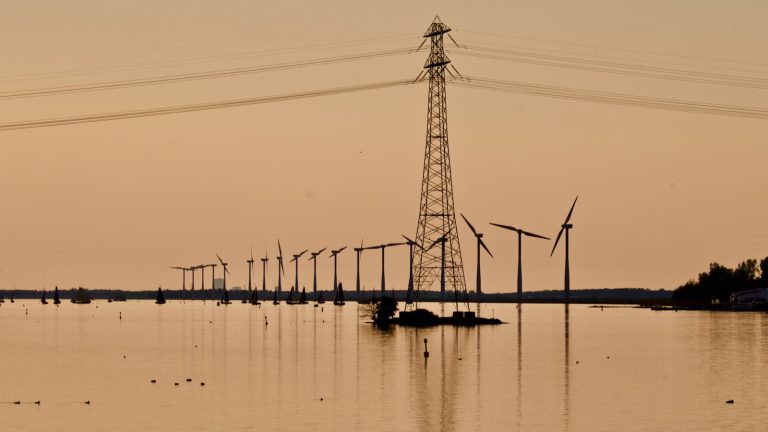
[218, 283]
[750, 297]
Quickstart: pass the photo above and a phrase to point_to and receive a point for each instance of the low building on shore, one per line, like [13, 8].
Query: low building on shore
[749, 299]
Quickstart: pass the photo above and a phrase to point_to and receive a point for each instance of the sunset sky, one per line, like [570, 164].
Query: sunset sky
[114, 204]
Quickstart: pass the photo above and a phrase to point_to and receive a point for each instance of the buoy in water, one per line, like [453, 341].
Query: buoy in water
[426, 351]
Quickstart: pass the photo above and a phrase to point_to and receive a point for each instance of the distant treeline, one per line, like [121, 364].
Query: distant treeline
[720, 282]
[601, 295]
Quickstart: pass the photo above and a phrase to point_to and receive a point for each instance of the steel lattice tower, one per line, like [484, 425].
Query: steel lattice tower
[437, 217]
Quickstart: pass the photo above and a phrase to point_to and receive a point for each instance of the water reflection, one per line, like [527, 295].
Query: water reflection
[567, 392]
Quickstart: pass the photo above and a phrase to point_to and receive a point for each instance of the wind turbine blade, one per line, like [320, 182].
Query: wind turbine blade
[509, 227]
[570, 212]
[341, 249]
[279, 247]
[482, 243]
[251, 252]
[556, 241]
[530, 234]
[474, 231]
[395, 244]
[303, 252]
[321, 251]
[409, 240]
[226, 269]
[220, 260]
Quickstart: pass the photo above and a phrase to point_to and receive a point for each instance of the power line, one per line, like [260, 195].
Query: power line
[208, 59]
[611, 98]
[91, 118]
[614, 67]
[110, 85]
[603, 47]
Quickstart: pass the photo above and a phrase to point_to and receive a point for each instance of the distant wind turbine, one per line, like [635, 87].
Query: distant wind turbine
[520, 234]
[223, 264]
[409, 293]
[296, 260]
[264, 271]
[183, 277]
[383, 247]
[566, 226]
[280, 268]
[480, 242]
[335, 253]
[442, 241]
[359, 252]
[313, 257]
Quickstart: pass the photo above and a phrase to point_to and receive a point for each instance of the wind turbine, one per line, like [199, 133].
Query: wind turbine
[334, 254]
[192, 269]
[314, 264]
[250, 269]
[280, 268]
[264, 271]
[223, 264]
[442, 241]
[520, 234]
[383, 247]
[202, 275]
[480, 242]
[359, 252]
[183, 277]
[296, 260]
[566, 226]
[409, 293]
[213, 277]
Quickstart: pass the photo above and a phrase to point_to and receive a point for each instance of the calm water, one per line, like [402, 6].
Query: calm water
[326, 369]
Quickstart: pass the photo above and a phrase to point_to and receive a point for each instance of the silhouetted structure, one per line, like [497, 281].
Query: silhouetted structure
[280, 268]
[56, 299]
[313, 257]
[383, 247]
[335, 254]
[338, 299]
[81, 297]
[409, 293]
[225, 298]
[520, 234]
[567, 228]
[160, 299]
[264, 271]
[358, 251]
[480, 242]
[437, 217]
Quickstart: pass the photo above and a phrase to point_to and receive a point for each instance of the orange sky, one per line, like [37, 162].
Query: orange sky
[114, 204]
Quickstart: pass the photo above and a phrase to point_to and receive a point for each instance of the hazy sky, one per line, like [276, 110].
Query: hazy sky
[114, 204]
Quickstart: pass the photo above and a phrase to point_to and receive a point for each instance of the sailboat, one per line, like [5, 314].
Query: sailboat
[225, 298]
[42, 299]
[82, 297]
[275, 300]
[291, 300]
[320, 299]
[12, 298]
[160, 299]
[56, 299]
[254, 300]
[303, 296]
[338, 299]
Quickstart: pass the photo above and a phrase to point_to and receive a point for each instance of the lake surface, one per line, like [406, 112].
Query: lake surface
[301, 368]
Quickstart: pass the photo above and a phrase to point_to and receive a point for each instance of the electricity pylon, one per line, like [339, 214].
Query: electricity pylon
[437, 217]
